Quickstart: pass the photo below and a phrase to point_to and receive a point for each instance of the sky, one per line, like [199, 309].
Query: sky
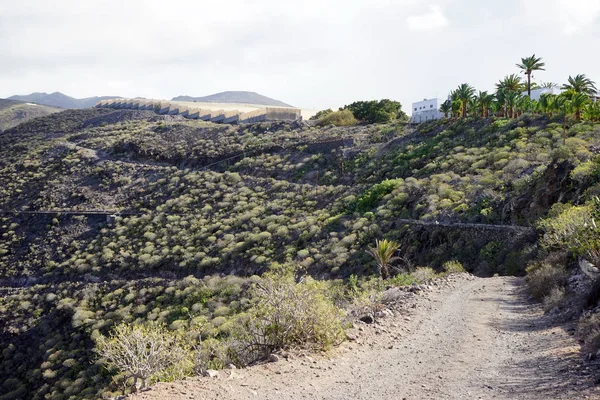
[312, 53]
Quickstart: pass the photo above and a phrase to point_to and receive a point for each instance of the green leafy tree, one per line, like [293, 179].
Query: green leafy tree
[528, 65]
[383, 253]
[382, 111]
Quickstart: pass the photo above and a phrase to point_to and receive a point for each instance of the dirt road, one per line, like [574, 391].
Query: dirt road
[471, 338]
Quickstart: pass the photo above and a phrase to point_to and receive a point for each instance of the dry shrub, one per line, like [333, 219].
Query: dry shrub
[555, 298]
[543, 277]
[423, 274]
[287, 314]
[145, 352]
[589, 330]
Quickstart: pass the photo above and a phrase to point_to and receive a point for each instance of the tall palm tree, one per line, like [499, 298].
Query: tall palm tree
[580, 84]
[528, 65]
[512, 99]
[562, 104]
[446, 108]
[484, 102]
[578, 103]
[524, 105]
[511, 83]
[548, 85]
[464, 93]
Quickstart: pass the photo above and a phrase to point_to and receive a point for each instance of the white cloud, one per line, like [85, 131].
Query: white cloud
[429, 21]
[319, 54]
[570, 16]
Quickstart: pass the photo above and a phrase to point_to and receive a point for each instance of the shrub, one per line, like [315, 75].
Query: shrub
[142, 351]
[543, 277]
[338, 118]
[453, 267]
[287, 314]
[423, 274]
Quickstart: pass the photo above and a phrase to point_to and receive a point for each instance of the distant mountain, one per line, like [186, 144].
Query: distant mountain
[235, 97]
[60, 100]
[13, 112]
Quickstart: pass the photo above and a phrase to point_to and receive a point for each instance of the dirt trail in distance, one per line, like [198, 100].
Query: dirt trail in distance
[471, 338]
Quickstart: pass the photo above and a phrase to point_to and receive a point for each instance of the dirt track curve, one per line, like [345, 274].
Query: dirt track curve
[470, 338]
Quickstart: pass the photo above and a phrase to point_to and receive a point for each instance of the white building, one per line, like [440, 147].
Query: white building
[537, 93]
[426, 110]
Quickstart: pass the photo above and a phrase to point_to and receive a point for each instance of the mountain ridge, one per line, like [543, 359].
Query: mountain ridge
[242, 97]
[60, 100]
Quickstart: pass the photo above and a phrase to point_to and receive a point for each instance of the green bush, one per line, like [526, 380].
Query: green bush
[453, 267]
[338, 118]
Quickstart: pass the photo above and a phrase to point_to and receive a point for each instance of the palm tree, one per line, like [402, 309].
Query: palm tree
[562, 104]
[578, 103]
[464, 93]
[524, 104]
[528, 65]
[510, 83]
[591, 112]
[446, 108]
[580, 84]
[512, 99]
[548, 85]
[547, 103]
[484, 102]
[383, 253]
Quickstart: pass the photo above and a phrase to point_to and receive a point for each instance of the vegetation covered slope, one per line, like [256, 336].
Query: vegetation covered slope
[201, 207]
[13, 112]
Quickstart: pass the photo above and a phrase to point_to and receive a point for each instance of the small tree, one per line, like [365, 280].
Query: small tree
[383, 253]
[142, 351]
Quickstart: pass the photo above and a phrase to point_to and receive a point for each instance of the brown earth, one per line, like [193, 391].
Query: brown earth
[464, 338]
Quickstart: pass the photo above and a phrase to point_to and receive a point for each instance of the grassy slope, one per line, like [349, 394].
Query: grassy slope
[13, 113]
[231, 199]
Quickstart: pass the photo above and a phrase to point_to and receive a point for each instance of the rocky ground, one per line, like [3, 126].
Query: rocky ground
[463, 338]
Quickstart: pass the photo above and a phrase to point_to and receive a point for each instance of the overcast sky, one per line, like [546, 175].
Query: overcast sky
[309, 53]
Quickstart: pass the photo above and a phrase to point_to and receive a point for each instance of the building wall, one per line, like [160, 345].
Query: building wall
[426, 110]
[537, 93]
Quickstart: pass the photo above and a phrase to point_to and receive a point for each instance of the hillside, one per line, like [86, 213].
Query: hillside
[60, 100]
[127, 216]
[238, 97]
[13, 112]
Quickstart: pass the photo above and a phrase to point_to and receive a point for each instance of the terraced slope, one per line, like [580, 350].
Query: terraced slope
[199, 208]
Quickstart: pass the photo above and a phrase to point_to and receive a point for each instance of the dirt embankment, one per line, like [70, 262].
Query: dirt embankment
[470, 338]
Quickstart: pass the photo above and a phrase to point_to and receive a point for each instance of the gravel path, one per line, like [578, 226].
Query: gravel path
[470, 338]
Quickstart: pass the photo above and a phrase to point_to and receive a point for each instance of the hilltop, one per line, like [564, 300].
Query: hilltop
[60, 100]
[128, 216]
[13, 112]
[239, 97]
